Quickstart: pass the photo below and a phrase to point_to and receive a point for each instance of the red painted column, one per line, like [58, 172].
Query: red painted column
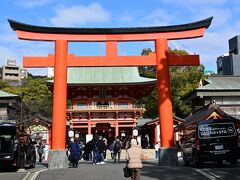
[89, 127]
[164, 93]
[116, 129]
[60, 95]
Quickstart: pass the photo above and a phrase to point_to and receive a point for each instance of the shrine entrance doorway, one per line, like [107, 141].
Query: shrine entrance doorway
[105, 130]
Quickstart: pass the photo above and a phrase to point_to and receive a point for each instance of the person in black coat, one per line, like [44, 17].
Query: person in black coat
[74, 149]
[102, 149]
[88, 151]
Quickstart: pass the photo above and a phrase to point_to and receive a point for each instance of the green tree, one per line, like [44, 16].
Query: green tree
[35, 94]
[3, 84]
[184, 79]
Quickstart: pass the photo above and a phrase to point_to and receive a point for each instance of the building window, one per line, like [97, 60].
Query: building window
[82, 106]
[102, 105]
[122, 105]
[102, 93]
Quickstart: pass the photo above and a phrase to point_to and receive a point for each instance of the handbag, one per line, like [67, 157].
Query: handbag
[127, 172]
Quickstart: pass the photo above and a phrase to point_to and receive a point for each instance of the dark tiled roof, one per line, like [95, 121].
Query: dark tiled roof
[42, 120]
[205, 23]
[149, 121]
[203, 113]
[142, 121]
[217, 86]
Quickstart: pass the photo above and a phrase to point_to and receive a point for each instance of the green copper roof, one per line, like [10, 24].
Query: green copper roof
[217, 86]
[6, 94]
[222, 83]
[106, 75]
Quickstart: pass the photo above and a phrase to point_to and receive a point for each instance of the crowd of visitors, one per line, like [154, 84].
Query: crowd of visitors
[94, 151]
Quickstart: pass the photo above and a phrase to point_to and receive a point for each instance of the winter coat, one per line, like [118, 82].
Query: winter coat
[74, 149]
[134, 155]
[101, 146]
[40, 149]
[120, 146]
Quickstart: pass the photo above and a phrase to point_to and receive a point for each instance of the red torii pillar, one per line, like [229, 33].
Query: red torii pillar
[60, 95]
[164, 93]
[111, 36]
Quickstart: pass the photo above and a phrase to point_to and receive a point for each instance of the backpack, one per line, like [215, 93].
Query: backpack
[95, 145]
[117, 146]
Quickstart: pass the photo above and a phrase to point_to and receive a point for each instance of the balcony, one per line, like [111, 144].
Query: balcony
[105, 108]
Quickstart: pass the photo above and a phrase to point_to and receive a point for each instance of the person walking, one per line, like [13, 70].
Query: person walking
[111, 150]
[102, 149]
[117, 147]
[134, 156]
[88, 151]
[105, 151]
[40, 150]
[74, 149]
[157, 150]
[95, 150]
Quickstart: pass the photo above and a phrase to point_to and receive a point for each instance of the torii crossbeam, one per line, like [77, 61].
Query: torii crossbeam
[61, 60]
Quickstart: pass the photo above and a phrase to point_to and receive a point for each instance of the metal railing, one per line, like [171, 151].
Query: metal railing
[98, 107]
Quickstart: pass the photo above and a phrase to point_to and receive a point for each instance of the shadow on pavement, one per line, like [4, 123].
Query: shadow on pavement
[154, 171]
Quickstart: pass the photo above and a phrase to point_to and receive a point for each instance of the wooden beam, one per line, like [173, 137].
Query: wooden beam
[183, 60]
[100, 61]
[38, 36]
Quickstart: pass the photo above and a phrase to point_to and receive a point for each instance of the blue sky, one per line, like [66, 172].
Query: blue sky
[124, 13]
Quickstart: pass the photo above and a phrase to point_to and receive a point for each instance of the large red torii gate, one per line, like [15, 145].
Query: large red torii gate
[61, 60]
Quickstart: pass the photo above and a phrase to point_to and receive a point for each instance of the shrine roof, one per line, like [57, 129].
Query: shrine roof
[203, 114]
[106, 75]
[15, 25]
[217, 86]
[6, 94]
[221, 83]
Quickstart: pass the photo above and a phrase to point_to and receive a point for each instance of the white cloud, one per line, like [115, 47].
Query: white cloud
[32, 3]
[126, 18]
[195, 2]
[158, 17]
[213, 44]
[5, 54]
[221, 16]
[80, 15]
[8, 37]
[13, 48]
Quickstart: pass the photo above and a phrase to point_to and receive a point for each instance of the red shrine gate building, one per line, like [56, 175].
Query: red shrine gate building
[101, 100]
[61, 60]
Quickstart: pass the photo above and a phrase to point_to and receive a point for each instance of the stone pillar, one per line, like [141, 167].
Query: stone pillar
[168, 156]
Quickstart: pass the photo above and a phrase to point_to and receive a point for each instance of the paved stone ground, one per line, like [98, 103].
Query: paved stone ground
[150, 171]
[110, 171]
